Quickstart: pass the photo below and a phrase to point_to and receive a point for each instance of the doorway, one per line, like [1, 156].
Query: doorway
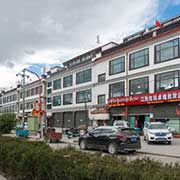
[137, 120]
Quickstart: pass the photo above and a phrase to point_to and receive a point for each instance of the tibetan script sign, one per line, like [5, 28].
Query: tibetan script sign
[159, 97]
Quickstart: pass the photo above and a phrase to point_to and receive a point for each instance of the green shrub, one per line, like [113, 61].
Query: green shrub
[7, 122]
[37, 161]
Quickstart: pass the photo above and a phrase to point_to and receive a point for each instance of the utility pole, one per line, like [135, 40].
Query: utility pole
[23, 97]
[23, 75]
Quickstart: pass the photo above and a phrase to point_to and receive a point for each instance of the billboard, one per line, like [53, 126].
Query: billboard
[140, 99]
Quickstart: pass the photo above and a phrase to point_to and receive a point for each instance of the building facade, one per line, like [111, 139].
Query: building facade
[70, 91]
[137, 80]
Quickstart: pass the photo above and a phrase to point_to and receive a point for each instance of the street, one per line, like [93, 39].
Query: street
[158, 152]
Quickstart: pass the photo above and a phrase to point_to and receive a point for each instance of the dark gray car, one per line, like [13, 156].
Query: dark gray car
[111, 138]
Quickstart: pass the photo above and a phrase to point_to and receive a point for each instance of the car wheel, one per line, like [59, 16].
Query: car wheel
[112, 148]
[131, 151]
[83, 145]
[149, 142]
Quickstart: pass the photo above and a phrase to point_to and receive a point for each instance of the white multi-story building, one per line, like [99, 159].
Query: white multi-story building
[12, 100]
[70, 90]
[137, 80]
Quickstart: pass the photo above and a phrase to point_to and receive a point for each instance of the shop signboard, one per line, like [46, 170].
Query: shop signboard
[141, 99]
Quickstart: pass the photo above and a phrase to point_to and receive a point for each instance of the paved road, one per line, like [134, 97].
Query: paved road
[158, 152]
[165, 149]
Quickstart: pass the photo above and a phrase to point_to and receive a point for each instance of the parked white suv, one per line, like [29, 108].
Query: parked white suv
[156, 132]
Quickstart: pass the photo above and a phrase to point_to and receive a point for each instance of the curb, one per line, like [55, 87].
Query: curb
[157, 154]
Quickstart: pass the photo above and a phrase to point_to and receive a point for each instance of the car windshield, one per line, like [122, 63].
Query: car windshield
[128, 131]
[157, 126]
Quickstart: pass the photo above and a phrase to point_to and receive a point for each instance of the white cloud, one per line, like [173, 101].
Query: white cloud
[51, 32]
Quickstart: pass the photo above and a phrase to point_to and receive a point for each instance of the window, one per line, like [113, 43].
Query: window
[57, 100]
[139, 86]
[167, 51]
[49, 91]
[49, 99]
[33, 91]
[101, 77]
[167, 81]
[49, 84]
[57, 84]
[116, 89]
[139, 59]
[117, 66]
[83, 96]
[28, 93]
[101, 99]
[67, 81]
[67, 99]
[96, 131]
[49, 106]
[84, 76]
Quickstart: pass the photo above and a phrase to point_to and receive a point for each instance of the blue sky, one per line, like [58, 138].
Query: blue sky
[36, 34]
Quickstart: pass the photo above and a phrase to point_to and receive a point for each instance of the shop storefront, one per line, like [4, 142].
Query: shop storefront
[70, 119]
[160, 106]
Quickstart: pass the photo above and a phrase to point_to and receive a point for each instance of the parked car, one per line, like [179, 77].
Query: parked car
[20, 131]
[112, 139]
[121, 123]
[52, 136]
[72, 133]
[157, 132]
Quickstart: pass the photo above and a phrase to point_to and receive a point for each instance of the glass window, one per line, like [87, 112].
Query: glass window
[67, 99]
[33, 91]
[167, 51]
[116, 89]
[101, 99]
[67, 81]
[57, 100]
[83, 96]
[167, 81]
[28, 93]
[101, 77]
[49, 106]
[49, 84]
[49, 91]
[96, 131]
[49, 99]
[139, 86]
[117, 66]
[84, 76]
[57, 84]
[139, 59]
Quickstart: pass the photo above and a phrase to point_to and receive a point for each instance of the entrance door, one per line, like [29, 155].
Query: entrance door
[132, 121]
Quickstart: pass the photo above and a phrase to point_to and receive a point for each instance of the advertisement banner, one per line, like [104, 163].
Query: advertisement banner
[140, 99]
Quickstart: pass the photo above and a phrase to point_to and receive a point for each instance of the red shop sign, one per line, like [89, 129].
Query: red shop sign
[153, 98]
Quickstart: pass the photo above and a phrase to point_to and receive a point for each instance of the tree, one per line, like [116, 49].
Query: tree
[7, 122]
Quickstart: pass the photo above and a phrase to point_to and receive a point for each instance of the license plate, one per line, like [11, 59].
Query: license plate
[133, 138]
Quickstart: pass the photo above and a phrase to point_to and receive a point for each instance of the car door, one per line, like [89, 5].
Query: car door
[104, 137]
[92, 139]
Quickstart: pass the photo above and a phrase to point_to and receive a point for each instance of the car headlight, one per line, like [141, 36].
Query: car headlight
[169, 134]
[151, 133]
